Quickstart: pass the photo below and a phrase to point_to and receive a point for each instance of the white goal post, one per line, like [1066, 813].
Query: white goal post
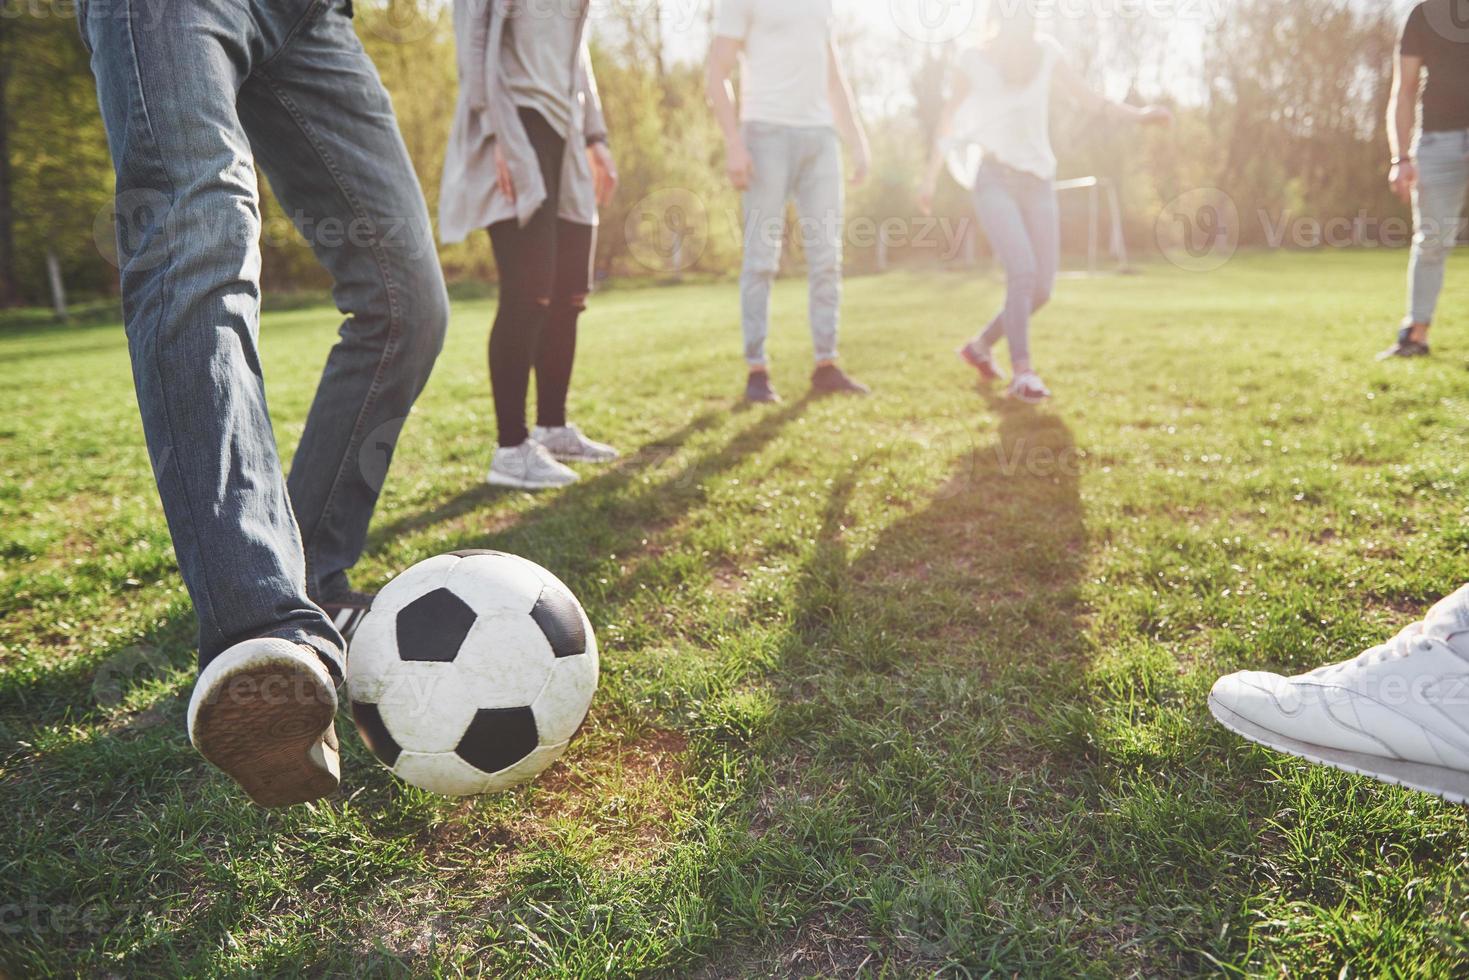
[1096, 189]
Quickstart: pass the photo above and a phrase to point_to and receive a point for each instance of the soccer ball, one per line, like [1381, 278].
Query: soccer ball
[471, 672]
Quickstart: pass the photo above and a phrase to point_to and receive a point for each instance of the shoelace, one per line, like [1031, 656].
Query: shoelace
[543, 456]
[1409, 640]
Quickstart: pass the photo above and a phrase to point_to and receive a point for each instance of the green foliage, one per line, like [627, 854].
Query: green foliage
[1284, 115]
[62, 175]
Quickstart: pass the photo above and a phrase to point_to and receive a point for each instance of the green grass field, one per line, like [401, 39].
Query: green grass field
[892, 687]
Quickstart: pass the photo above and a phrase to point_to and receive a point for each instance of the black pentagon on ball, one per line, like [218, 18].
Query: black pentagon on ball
[498, 738]
[433, 626]
[557, 615]
[370, 724]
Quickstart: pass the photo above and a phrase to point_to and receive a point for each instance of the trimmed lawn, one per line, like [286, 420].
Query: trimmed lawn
[907, 685]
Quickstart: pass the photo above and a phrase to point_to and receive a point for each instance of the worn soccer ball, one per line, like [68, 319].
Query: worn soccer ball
[471, 672]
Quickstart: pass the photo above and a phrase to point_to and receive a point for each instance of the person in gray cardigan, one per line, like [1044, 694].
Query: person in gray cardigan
[528, 160]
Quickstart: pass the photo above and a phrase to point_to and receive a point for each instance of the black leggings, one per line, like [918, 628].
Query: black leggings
[545, 275]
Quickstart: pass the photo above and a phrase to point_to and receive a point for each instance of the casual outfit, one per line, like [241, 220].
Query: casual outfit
[191, 105]
[1442, 150]
[788, 128]
[1399, 712]
[1001, 149]
[547, 257]
[535, 97]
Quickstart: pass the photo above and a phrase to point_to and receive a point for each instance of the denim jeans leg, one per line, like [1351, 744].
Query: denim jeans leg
[189, 256]
[1042, 216]
[1438, 203]
[323, 129]
[764, 203]
[819, 192]
[1000, 213]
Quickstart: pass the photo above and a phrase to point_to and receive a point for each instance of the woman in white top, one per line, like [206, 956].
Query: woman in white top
[995, 138]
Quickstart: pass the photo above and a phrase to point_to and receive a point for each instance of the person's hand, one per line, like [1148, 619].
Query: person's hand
[502, 173]
[604, 172]
[861, 166]
[1156, 115]
[1403, 177]
[926, 191]
[739, 165]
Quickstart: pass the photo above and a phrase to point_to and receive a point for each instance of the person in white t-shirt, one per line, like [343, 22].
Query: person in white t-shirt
[995, 138]
[782, 143]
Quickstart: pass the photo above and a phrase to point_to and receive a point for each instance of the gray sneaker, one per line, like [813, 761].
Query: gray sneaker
[528, 466]
[566, 443]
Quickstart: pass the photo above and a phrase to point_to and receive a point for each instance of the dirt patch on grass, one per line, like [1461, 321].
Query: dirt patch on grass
[623, 795]
[839, 947]
[614, 801]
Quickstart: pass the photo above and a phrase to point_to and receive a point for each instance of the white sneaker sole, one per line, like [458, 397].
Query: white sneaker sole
[263, 712]
[495, 479]
[581, 457]
[1451, 785]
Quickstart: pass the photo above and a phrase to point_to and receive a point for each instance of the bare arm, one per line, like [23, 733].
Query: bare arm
[723, 54]
[1069, 80]
[940, 139]
[594, 129]
[1402, 113]
[844, 108]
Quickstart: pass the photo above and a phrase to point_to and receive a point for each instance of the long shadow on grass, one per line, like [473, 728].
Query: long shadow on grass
[145, 767]
[481, 495]
[622, 509]
[896, 769]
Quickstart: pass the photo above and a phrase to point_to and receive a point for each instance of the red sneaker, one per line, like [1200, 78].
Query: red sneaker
[982, 363]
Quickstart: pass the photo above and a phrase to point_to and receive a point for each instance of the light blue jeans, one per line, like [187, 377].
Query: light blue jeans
[804, 163]
[192, 97]
[1438, 205]
[1020, 217]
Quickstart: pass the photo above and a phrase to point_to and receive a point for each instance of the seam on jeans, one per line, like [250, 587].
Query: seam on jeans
[82, 26]
[313, 10]
[390, 348]
[173, 441]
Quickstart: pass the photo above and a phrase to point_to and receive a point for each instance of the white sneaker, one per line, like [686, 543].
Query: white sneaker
[262, 711]
[1029, 388]
[527, 466]
[1398, 712]
[566, 443]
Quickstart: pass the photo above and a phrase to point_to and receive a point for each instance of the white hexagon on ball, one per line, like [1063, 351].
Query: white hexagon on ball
[473, 673]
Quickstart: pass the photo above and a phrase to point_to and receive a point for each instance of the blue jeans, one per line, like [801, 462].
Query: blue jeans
[1019, 214]
[1438, 205]
[804, 162]
[192, 98]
